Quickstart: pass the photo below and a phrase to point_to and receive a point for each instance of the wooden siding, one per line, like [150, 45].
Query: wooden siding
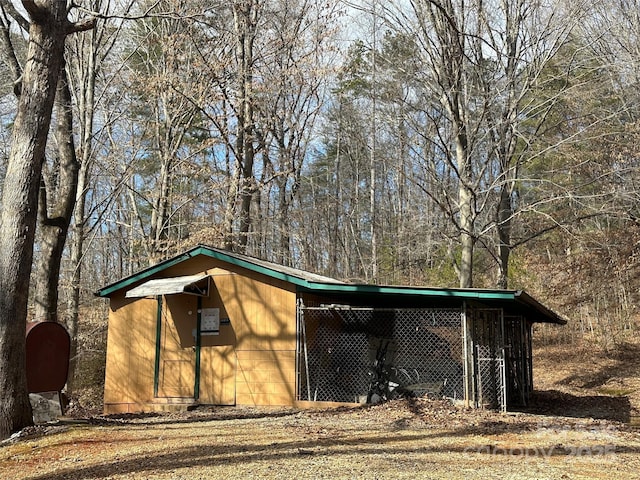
[266, 377]
[218, 375]
[130, 353]
[250, 362]
[263, 318]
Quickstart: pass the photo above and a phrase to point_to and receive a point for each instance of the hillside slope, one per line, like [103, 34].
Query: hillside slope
[582, 380]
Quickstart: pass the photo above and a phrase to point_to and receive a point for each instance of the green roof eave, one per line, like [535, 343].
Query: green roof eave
[304, 285]
[142, 274]
[526, 299]
[239, 262]
[539, 312]
[314, 287]
[203, 250]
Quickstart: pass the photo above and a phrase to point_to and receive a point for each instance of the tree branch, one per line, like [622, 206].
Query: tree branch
[37, 13]
[82, 26]
[9, 11]
[9, 52]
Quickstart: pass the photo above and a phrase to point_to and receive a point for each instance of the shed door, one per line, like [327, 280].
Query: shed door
[177, 374]
[218, 359]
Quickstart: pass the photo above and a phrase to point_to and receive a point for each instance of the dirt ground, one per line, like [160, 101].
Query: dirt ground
[582, 424]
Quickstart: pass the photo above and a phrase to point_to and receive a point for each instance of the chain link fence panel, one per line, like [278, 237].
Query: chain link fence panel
[369, 355]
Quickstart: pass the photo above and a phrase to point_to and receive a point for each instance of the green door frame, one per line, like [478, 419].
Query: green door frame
[156, 373]
[196, 386]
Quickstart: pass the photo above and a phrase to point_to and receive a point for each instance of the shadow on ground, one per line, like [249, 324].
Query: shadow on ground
[197, 415]
[556, 403]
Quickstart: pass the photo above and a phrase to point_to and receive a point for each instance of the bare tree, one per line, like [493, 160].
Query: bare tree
[245, 23]
[47, 33]
[482, 65]
[263, 60]
[87, 54]
[57, 200]
[164, 82]
[291, 98]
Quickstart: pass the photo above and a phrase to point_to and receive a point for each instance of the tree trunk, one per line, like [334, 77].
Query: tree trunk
[47, 32]
[20, 203]
[56, 208]
[86, 105]
[160, 213]
[245, 17]
[503, 225]
[76, 251]
[465, 202]
[467, 240]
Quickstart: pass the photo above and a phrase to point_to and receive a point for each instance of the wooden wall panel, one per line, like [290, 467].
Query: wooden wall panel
[263, 315]
[265, 377]
[130, 351]
[218, 375]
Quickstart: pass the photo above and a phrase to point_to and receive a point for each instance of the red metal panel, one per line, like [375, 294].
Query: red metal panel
[48, 347]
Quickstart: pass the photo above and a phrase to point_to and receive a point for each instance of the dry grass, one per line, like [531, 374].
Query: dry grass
[606, 380]
[402, 439]
[576, 430]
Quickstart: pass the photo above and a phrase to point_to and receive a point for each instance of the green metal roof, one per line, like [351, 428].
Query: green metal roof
[312, 283]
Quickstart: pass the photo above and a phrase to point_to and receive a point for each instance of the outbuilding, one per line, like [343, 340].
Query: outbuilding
[214, 327]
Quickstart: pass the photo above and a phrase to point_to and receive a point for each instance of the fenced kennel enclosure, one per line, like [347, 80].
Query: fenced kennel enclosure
[478, 357]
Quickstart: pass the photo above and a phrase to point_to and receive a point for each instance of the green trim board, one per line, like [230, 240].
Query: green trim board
[419, 291]
[306, 282]
[196, 386]
[156, 367]
[512, 298]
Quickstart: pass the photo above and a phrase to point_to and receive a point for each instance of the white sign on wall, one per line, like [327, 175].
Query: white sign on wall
[210, 321]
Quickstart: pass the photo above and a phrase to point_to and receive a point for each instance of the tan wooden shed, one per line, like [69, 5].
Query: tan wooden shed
[219, 328]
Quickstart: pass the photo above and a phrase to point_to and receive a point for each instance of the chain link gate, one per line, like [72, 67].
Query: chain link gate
[351, 354]
[518, 360]
[490, 375]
